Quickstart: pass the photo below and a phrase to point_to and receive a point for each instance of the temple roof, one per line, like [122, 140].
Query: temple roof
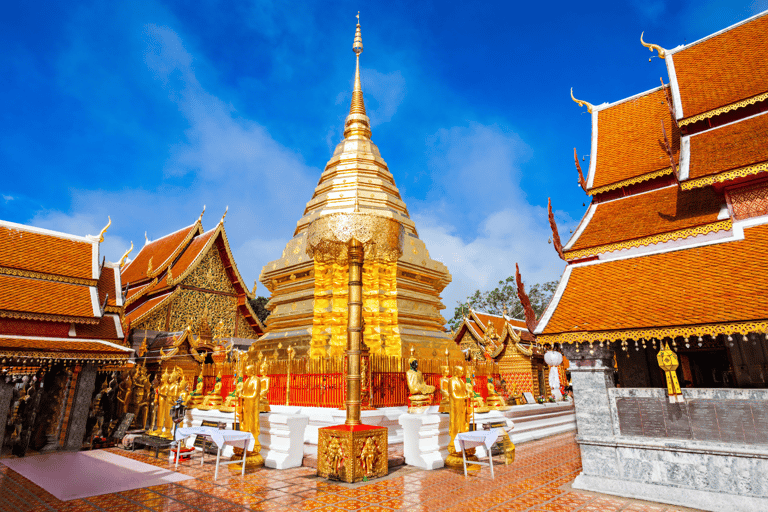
[728, 152]
[635, 217]
[722, 69]
[629, 139]
[162, 252]
[478, 324]
[21, 297]
[61, 348]
[681, 292]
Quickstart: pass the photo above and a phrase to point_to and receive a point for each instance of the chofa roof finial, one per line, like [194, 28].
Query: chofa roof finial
[582, 102]
[122, 260]
[101, 235]
[651, 47]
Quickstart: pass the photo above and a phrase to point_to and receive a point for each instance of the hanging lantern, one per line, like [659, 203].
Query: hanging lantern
[668, 362]
[554, 359]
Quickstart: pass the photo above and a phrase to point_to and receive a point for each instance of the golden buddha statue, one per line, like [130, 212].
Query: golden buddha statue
[160, 404]
[213, 399]
[421, 392]
[459, 422]
[196, 397]
[445, 402]
[263, 388]
[476, 399]
[233, 398]
[172, 394]
[494, 400]
[249, 420]
[516, 395]
[184, 393]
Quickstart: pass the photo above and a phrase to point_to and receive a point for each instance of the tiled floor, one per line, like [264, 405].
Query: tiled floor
[537, 481]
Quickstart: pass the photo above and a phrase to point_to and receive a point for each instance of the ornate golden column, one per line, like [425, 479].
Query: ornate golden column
[354, 330]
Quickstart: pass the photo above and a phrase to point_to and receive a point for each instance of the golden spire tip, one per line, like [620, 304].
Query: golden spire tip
[101, 235]
[651, 47]
[582, 103]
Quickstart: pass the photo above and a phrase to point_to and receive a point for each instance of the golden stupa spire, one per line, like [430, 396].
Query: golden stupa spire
[357, 121]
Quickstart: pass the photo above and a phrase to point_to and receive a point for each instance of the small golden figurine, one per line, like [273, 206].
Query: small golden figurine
[445, 382]
[263, 388]
[367, 455]
[233, 397]
[421, 392]
[475, 397]
[494, 400]
[250, 416]
[196, 397]
[160, 403]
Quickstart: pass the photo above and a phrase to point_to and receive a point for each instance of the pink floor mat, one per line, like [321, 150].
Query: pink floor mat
[73, 475]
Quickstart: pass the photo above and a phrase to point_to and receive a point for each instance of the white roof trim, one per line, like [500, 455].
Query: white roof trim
[678, 102]
[118, 286]
[41, 231]
[630, 98]
[729, 124]
[95, 301]
[109, 344]
[683, 47]
[582, 226]
[592, 151]
[684, 166]
[552, 306]
[118, 327]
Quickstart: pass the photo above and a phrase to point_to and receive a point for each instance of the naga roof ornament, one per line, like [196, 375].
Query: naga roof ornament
[122, 260]
[652, 47]
[101, 235]
[582, 103]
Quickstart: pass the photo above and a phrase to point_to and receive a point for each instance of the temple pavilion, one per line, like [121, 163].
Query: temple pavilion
[61, 311]
[185, 288]
[663, 308]
[506, 341]
[401, 293]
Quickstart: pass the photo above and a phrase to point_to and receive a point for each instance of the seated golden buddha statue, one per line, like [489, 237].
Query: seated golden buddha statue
[196, 397]
[445, 382]
[421, 392]
[213, 399]
[264, 387]
[494, 400]
[476, 398]
[516, 395]
[230, 403]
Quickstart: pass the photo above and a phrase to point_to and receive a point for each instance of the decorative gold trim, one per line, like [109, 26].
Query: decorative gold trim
[631, 181]
[723, 225]
[172, 281]
[49, 318]
[63, 355]
[743, 328]
[525, 351]
[194, 230]
[122, 259]
[159, 304]
[722, 110]
[725, 176]
[651, 47]
[133, 298]
[582, 103]
[47, 277]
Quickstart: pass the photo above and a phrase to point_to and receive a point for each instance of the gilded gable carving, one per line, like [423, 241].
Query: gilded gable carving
[210, 274]
[155, 321]
[190, 304]
[244, 330]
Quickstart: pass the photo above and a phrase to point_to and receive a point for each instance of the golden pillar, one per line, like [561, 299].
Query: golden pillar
[354, 331]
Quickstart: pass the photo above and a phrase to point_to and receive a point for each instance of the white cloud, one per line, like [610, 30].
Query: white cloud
[7, 198]
[479, 222]
[384, 92]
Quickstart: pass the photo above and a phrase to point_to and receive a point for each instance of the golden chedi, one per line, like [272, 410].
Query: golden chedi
[401, 288]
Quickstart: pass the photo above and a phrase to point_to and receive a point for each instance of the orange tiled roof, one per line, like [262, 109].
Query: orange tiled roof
[723, 69]
[45, 297]
[147, 306]
[641, 215]
[105, 329]
[106, 285]
[731, 146]
[628, 139]
[499, 324]
[161, 251]
[189, 256]
[50, 254]
[675, 288]
[54, 345]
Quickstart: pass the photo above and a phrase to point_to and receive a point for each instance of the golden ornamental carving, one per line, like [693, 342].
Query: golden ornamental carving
[136, 296]
[49, 318]
[122, 259]
[104, 230]
[687, 331]
[631, 181]
[63, 356]
[582, 103]
[668, 363]
[725, 176]
[662, 52]
[328, 236]
[207, 271]
[724, 225]
[149, 266]
[722, 110]
[46, 277]
[148, 317]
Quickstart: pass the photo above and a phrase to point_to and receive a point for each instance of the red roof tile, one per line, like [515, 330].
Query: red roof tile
[38, 252]
[629, 139]
[44, 297]
[21, 327]
[191, 253]
[105, 329]
[731, 146]
[723, 69]
[58, 345]
[675, 288]
[106, 285]
[162, 252]
[146, 306]
[660, 211]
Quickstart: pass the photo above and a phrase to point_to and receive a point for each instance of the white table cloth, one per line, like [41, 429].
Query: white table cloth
[466, 440]
[220, 438]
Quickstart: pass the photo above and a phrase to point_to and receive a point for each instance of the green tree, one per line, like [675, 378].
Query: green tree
[259, 307]
[504, 295]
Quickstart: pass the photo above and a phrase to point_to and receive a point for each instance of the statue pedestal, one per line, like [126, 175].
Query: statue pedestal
[425, 439]
[282, 439]
[351, 453]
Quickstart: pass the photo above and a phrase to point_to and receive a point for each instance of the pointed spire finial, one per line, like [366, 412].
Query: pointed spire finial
[122, 260]
[146, 240]
[200, 218]
[101, 235]
[651, 47]
[582, 102]
[224, 216]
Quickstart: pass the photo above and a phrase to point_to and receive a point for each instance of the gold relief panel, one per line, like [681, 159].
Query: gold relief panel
[190, 305]
[329, 315]
[155, 321]
[210, 274]
[244, 330]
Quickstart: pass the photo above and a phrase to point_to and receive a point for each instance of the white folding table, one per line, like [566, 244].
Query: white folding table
[218, 436]
[465, 440]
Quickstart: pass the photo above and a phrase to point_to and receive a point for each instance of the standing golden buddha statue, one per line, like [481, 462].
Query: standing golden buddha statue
[160, 403]
[445, 382]
[263, 388]
[250, 415]
[459, 421]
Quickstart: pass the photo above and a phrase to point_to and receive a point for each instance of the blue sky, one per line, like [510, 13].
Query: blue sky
[147, 110]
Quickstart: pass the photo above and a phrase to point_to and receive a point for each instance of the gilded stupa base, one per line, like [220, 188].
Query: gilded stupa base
[352, 453]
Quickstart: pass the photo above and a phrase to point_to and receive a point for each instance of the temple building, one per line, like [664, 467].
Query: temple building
[401, 292]
[61, 311]
[508, 342]
[187, 281]
[662, 308]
